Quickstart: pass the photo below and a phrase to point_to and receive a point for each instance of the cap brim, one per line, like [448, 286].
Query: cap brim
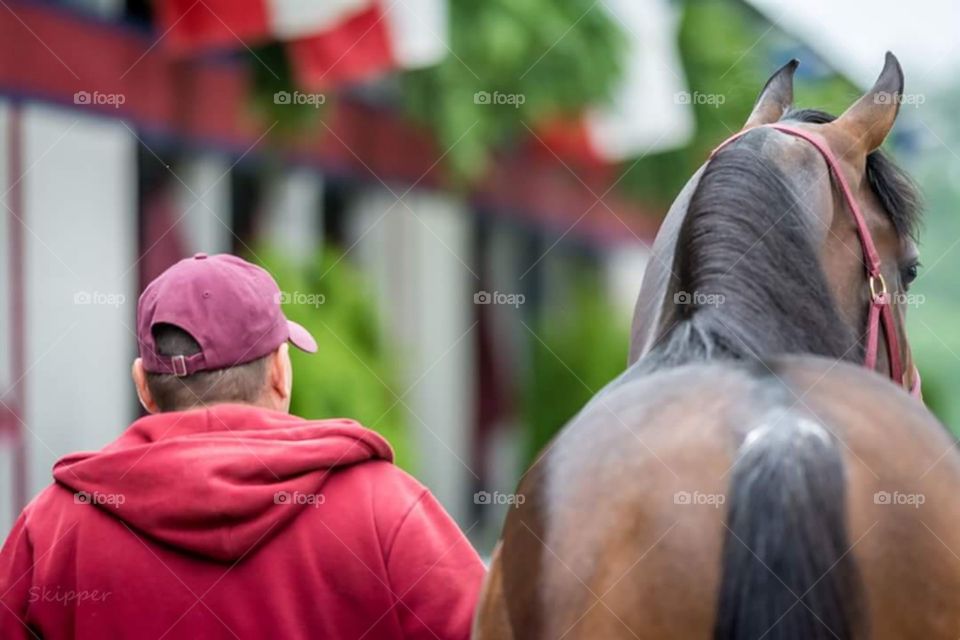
[301, 338]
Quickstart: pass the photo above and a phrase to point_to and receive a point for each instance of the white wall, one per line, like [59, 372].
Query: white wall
[7, 483]
[421, 261]
[292, 213]
[203, 197]
[505, 262]
[6, 219]
[624, 266]
[79, 194]
[8, 511]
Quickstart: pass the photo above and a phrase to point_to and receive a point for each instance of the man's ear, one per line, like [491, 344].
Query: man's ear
[280, 375]
[143, 391]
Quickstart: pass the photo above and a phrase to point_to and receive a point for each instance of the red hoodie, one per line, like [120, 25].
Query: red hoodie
[237, 522]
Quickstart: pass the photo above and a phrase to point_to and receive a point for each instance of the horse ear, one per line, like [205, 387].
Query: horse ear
[775, 97]
[866, 124]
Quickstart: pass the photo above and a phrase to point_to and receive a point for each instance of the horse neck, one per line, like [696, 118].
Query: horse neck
[747, 279]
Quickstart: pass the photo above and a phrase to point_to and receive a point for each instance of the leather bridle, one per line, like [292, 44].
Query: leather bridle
[881, 311]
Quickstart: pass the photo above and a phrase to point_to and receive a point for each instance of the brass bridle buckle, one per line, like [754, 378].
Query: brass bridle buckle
[882, 296]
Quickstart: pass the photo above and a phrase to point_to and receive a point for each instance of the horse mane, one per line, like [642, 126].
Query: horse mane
[746, 265]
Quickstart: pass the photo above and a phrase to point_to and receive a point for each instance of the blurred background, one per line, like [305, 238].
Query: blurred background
[456, 196]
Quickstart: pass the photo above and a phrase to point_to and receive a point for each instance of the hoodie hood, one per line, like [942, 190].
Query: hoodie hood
[218, 481]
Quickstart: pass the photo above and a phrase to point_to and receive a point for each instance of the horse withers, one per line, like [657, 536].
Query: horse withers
[747, 477]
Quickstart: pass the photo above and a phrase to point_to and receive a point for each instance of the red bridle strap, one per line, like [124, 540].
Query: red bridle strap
[881, 311]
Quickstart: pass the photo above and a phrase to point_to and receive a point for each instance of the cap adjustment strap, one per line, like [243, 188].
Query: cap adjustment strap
[179, 366]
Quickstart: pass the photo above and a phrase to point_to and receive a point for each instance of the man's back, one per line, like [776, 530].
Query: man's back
[237, 522]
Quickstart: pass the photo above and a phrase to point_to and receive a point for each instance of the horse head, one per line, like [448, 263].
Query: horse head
[761, 249]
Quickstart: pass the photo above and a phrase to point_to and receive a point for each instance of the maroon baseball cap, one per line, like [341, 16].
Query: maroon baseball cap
[229, 306]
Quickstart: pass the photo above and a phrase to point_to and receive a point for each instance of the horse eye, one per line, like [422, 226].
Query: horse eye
[909, 273]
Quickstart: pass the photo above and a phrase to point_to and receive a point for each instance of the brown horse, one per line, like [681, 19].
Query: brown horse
[722, 487]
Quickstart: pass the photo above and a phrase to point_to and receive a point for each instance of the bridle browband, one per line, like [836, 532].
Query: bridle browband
[881, 311]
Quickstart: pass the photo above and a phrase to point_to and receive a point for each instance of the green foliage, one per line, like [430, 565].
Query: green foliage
[272, 75]
[932, 324]
[558, 57]
[713, 38]
[351, 375]
[580, 349]
[548, 60]
[725, 51]
[552, 57]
